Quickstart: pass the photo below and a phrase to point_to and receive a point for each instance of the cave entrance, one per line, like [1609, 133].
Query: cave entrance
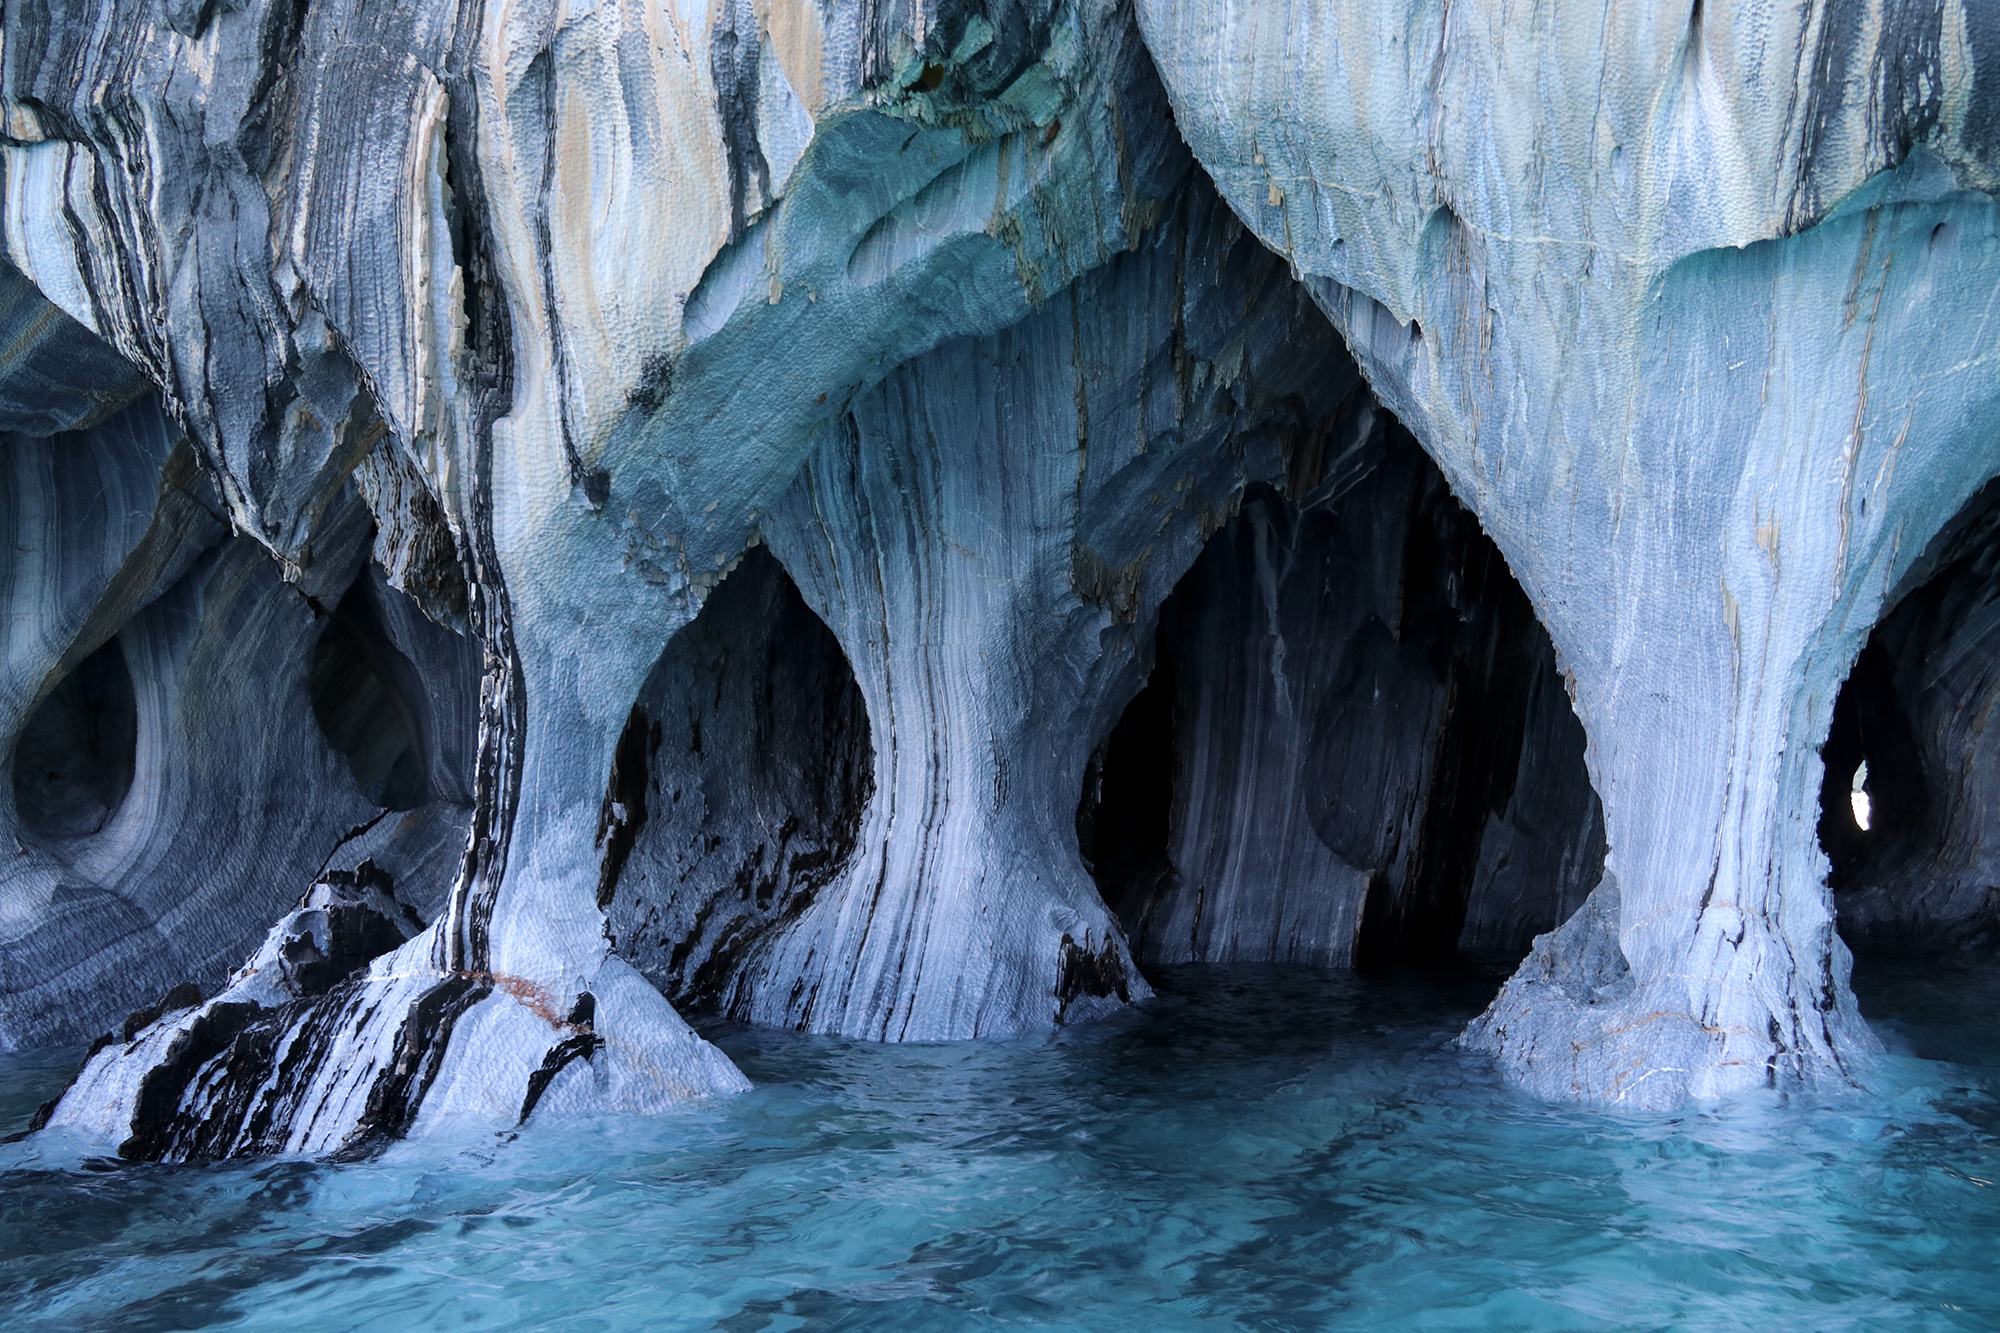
[737, 789]
[1872, 792]
[1124, 823]
[74, 758]
[1354, 747]
[368, 698]
[1910, 800]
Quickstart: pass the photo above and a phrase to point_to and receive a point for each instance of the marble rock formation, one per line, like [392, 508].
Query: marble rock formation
[986, 538]
[520, 280]
[528, 516]
[1355, 745]
[1911, 733]
[1690, 305]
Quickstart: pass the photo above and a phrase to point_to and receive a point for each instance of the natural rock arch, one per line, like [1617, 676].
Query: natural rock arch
[1354, 746]
[572, 436]
[1915, 710]
[1666, 316]
[737, 790]
[943, 315]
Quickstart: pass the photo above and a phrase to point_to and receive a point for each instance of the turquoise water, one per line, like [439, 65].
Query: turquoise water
[1259, 1149]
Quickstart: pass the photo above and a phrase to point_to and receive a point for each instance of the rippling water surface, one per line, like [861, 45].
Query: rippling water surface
[1260, 1149]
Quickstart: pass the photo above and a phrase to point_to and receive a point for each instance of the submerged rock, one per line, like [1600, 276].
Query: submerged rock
[633, 506]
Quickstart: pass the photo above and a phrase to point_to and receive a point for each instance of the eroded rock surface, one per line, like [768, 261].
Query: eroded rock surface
[169, 788]
[1672, 295]
[1368, 754]
[528, 300]
[572, 510]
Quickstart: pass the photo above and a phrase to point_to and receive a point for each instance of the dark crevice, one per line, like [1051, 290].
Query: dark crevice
[1909, 813]
[1475, 630]
[737, 790]
[1123, 822]
[1354, 747]
[581, 1046]
[1869, 726]
[73, 761]
[1082, 971]
[734, 54]
[368, 699]
[623, 816]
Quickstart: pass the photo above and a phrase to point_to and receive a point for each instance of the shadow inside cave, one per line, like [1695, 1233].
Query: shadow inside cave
[1354, 748]
[1910, 798]
[73, 761]
[368, 699]
[737, 789]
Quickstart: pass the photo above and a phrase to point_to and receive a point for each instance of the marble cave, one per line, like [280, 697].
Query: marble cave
[541, 532]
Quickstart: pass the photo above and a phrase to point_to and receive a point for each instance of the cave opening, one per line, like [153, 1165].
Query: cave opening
[74, 757]
[1909, 815]
[1354, 749]
[368, 698]
[1124, 821]
[737, 790]
[1872, 791]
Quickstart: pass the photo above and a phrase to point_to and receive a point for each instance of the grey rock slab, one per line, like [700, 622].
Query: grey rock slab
[57, 374]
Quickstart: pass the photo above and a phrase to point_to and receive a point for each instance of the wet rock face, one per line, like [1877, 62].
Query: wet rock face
[1354, 746]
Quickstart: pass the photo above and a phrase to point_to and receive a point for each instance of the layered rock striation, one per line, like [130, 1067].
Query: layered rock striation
[526, 517]
[1688, 304]
[1354, 746]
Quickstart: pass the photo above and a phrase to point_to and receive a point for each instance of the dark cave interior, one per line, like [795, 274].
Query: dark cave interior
[368, 698]
[742, 778]
[1912, 770]
[1354, 748]
[74, 759]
